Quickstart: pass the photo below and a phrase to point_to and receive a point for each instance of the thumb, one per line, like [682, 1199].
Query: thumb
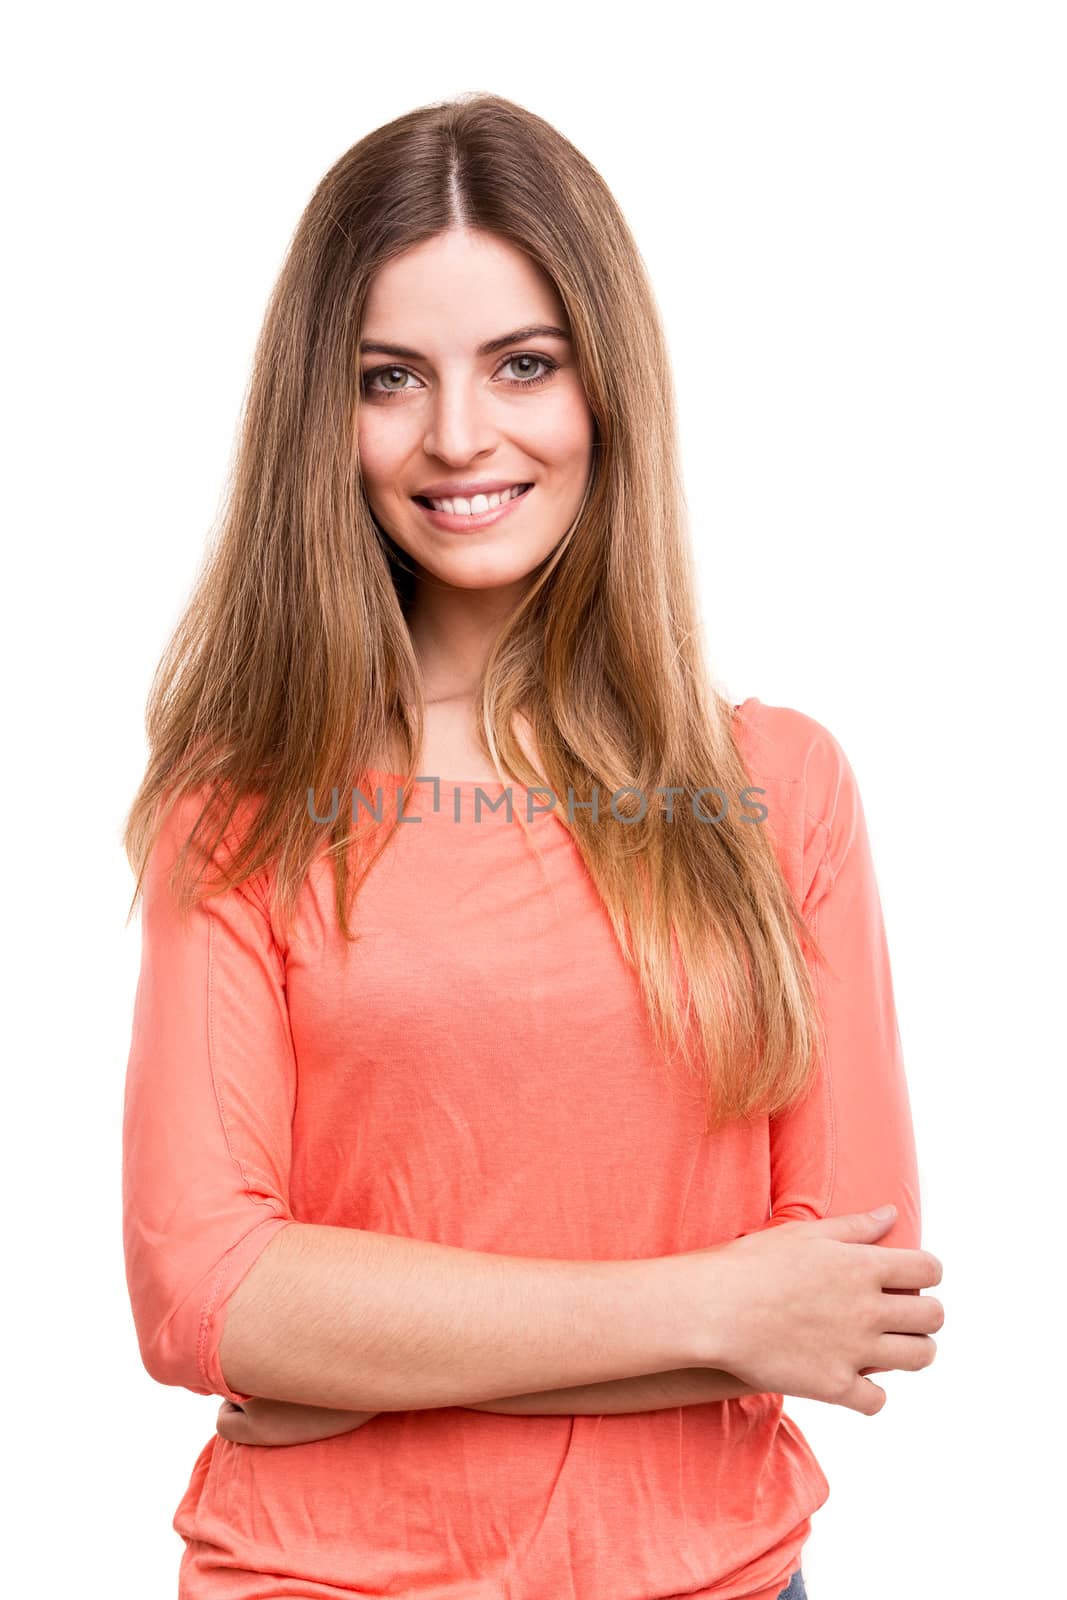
[858, 1227]
[864, 1396]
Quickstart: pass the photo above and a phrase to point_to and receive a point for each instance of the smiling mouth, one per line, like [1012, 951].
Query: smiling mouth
[477, 505]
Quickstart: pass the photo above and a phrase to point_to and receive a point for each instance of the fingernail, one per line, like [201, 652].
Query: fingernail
[883, 1212]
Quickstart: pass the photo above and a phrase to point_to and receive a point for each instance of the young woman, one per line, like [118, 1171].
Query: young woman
[499, 1146]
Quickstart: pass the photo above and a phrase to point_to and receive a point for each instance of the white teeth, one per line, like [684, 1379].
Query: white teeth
[458, 507]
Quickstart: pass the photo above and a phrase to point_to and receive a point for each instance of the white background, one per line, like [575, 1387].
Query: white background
[853, 216]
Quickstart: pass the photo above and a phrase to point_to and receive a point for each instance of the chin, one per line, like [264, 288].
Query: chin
[492, 575]
[488, 567]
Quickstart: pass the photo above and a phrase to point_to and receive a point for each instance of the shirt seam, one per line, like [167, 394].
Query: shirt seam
[216, 1282]
[827, 1063]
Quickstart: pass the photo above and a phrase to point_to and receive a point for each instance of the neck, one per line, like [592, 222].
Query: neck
[452, 631]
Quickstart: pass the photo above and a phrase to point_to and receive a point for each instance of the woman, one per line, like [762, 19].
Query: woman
[498, 1146]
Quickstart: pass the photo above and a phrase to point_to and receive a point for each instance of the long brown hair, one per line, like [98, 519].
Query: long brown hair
[293, 664]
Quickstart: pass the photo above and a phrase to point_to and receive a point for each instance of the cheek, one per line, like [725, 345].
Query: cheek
[381, 448]
[564, 432]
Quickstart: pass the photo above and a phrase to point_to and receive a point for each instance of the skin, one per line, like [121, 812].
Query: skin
[819, 1307]
[279, 1422]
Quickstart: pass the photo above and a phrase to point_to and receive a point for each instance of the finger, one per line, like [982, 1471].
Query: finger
[864, 1396]
[905, 1352]
[908, 1269]
[233, 1426]
[921, 1313]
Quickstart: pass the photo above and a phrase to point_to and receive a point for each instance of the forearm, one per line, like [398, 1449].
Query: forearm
[341, 1317]
[284, 1422]
[686, 1386]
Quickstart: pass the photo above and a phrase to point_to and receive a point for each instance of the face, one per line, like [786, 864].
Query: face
[443, 412]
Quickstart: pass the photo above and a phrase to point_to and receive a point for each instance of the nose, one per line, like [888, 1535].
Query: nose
[460, 426]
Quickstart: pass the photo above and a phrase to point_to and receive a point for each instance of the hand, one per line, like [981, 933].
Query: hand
[282, 1422]
[808, 1308]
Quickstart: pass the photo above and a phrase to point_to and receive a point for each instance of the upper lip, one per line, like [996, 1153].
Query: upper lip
[467, 487]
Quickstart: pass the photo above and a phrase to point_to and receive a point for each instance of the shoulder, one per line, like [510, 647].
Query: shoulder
[792, 747]
[804, 764]
[193, 824]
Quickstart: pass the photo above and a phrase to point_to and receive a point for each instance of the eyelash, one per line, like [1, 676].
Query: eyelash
[551, 368]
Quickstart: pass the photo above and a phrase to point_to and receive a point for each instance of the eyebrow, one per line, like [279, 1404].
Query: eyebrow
[490, 348]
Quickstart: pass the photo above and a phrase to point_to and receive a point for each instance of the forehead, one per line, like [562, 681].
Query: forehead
[456, 290]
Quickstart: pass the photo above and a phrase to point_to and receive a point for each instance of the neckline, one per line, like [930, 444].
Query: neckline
[486, 784]
[446, 783]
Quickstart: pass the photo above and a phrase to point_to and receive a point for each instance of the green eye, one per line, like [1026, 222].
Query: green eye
[389, 375]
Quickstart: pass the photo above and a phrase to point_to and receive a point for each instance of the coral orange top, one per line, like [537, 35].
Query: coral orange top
[478, 1071]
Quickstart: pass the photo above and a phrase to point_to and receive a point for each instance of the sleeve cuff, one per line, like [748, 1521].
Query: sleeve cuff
[235, 1266]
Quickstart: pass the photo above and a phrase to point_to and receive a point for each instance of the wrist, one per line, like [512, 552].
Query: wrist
[698, 1295]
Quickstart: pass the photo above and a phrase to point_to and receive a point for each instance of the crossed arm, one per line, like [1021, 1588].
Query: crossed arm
[279, 1422]
[848, 1145]
[686, 1386]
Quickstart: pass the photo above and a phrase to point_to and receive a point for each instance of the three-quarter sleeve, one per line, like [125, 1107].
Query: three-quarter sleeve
[849, 1146]
[207, 1122]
